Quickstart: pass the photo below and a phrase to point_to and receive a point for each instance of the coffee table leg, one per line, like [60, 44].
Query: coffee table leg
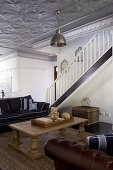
[15, 139]
[34, 152]
[82, 132]
[34, 145]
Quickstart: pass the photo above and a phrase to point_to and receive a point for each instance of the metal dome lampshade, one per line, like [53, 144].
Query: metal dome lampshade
[58, 39]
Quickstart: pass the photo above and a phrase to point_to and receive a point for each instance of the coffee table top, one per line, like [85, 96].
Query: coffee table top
[34, 130]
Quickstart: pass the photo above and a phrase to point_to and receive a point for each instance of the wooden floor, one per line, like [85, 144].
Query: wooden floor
[13, 160]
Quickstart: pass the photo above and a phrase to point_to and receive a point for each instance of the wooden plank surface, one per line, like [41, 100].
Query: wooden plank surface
[34, 130]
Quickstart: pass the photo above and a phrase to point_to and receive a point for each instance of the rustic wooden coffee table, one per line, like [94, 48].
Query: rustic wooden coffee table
[34, 131]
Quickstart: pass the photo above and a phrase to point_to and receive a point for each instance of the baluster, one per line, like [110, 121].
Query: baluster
[112, 36]
[108, 45]
[80, 64]
[99, 50]
[68, 75]
[61, 84]
[59, 89]
[78, 67]
[56, 89]
[64, 80]
[51, 94]
[103, 42]
[73, 68]
[86, 58]
[76, 70]
[72, 73]
[83, 60]
[91, 48]
[95, 50]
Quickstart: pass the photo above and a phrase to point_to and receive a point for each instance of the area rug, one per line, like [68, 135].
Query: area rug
[13, 160]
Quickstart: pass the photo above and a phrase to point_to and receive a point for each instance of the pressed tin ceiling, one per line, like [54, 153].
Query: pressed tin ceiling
[23, 22]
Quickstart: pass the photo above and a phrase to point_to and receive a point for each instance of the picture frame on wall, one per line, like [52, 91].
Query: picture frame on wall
[63, 65]
[79, 49]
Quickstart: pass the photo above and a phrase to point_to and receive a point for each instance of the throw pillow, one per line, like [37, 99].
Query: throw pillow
[33, 106]
[26, 103]
[101, 142]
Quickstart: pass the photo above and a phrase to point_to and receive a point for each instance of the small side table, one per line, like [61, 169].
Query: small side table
[87, 112]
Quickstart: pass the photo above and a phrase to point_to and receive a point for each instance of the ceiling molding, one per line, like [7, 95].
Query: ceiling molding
[24, 54]
[90, 28]
[14, 54]
[37, 57]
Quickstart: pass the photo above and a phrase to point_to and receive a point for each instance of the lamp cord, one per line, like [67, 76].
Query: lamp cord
[58, 20]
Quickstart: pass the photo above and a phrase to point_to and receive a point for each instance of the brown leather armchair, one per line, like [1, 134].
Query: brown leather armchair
[71, 155]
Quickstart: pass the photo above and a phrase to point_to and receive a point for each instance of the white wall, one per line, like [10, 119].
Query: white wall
[9, 70]
[35, 76]
[100, 92]
[29, 76]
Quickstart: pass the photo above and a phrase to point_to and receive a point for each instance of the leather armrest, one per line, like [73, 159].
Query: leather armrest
[77, 155]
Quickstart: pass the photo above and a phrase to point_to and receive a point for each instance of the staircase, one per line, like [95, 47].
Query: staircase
[94, 54]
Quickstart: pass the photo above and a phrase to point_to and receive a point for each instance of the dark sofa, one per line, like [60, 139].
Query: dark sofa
[71, 155]
[11, 111]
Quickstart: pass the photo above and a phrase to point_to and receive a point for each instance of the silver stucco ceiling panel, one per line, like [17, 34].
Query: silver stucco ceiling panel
[21, 21]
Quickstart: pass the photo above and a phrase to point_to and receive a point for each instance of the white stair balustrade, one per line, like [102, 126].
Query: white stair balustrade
[98, 45]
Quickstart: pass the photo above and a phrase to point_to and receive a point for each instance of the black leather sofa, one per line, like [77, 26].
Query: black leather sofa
[11, 112]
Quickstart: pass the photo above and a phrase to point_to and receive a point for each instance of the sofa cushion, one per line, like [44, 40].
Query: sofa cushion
[28, 97]
[101, 142]
[46, 106]
[14, 104]
[31, 114]
[9, 117]
[40, 106]
[4, 105]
